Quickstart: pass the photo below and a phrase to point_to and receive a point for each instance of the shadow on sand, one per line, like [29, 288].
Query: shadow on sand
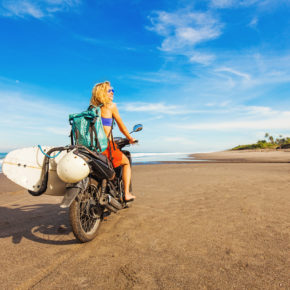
[43, 223]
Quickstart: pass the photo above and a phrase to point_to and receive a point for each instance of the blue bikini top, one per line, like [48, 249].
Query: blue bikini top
[107, 121]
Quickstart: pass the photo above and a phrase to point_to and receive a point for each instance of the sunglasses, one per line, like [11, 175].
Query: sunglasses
[111, 91]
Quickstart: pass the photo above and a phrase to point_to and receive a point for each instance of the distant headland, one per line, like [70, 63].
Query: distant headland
[268, 143]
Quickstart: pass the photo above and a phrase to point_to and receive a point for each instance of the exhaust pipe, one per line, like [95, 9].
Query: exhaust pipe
[110, 208]
[110, 203]
[113, 202]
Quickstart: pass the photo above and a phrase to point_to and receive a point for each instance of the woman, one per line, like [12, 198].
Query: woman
[103, 94]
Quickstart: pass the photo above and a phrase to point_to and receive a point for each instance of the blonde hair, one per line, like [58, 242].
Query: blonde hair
[100, 94]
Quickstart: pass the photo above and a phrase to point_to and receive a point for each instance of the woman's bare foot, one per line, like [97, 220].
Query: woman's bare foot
[129, 196]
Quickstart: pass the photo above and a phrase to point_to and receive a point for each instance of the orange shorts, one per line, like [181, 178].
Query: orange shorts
[117, 155]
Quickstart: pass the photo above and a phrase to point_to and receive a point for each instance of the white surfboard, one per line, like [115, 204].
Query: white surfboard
[24, 167]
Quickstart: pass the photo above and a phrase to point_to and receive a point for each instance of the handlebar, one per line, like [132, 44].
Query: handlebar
[122, 142]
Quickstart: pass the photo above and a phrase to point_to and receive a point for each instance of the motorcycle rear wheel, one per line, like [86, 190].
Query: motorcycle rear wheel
[85, 214]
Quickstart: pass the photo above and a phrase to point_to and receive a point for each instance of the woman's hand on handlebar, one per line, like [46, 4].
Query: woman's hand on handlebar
[132, 140]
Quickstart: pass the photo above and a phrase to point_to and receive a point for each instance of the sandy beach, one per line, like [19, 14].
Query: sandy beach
[246, 156]
[220, 224]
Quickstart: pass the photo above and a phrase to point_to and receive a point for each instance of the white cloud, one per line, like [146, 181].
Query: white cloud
[223, 4]
[254, 22]
[162, 76]
[236, 3]
[259, 110]
[36, 9]
[160, 108]
[202, 58]
[256, 70]
[241, 110]
[278, 120]
[235, 72]
[183, 30]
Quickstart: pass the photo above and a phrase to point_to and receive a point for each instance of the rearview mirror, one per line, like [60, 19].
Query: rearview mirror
[137, 128]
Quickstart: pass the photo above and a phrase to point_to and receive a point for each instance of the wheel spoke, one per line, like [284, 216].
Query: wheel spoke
[87, 200]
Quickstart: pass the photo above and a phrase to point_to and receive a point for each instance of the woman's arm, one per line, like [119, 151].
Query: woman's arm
[120, 123]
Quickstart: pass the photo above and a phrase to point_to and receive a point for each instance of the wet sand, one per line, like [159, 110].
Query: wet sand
[246, 156]
[193, 226]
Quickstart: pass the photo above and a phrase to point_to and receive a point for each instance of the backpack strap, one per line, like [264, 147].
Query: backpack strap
[72, 133]
[91, 135]
[111, 133]
[110, 151]
[109, 143]
[94, 131]
[90, 107]
[75, 132]
[71, 137]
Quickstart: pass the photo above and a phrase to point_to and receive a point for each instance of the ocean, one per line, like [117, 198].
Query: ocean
[2, 156]
[154, 158]
[143, 158]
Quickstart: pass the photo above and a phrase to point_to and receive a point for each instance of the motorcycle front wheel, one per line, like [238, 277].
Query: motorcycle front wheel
[85, 213]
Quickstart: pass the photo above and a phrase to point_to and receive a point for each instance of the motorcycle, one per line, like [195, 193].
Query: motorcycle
[98, 194]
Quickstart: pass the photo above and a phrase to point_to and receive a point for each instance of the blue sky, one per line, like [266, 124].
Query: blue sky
[199, 75]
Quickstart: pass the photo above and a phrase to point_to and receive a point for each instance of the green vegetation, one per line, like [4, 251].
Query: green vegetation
[268, 143]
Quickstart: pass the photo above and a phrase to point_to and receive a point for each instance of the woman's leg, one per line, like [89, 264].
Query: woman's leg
[126, 176]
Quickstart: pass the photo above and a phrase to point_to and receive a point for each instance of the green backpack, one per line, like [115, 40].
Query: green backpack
[87, 129]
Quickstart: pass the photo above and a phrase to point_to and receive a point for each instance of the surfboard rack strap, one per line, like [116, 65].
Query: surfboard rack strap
[45, 169]
[47, 154]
